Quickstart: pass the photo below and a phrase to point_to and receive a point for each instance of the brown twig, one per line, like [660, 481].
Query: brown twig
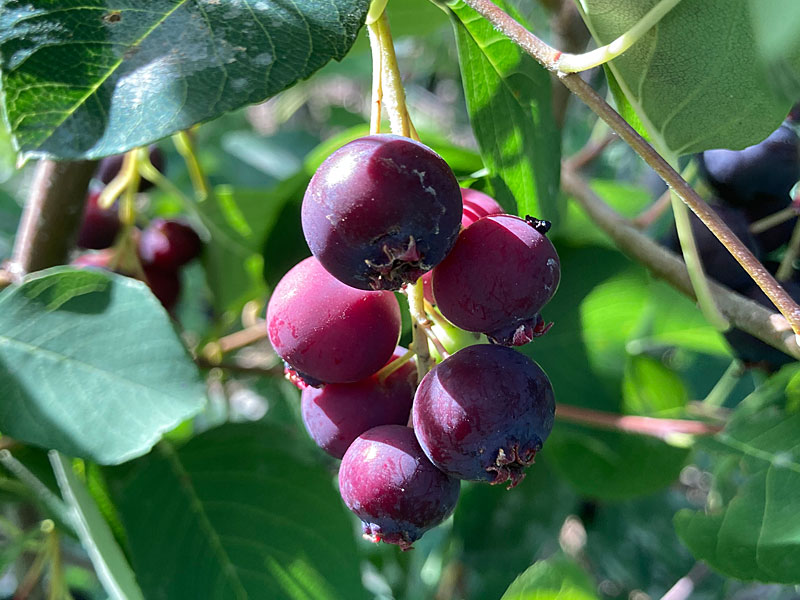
[648, 216]
[651, 426]
[236, 340]
[743, 313]
[548, 57]
[51, 217]
[684, 587]
[590, 152]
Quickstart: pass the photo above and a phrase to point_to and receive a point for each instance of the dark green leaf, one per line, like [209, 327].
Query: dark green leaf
[89, 79]
[696, 79]
[509, 102]
[754, 533]
[90, 365]
[235, 514]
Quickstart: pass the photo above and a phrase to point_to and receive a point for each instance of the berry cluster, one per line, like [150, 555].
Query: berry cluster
[749, 186]
[380, 213]
[158, 251]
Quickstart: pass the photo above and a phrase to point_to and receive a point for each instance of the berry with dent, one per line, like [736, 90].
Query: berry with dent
[497, 278]
[483, 413]
[389, 483]
[381, 211]
[329, 332]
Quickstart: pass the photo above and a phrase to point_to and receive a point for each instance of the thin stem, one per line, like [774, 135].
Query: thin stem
[573, 63]
[51, 217]
[416, 306]
[41, 492]
[437, 343]
[649, 215]
[694, 266]
[377, 73]
[393, 94]
[654, 427]
[772, 220]
[723, 388]
[684, 587]
[591, 152]
[742, 312]
[185, 146]
[548, 56]
[786, 268]
[236, 340]
[31, 578]
[394, 365]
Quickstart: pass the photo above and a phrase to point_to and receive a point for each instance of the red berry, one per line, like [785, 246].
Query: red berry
[380, 211]
[168, 245]
[394, 489]
[483, 413]
[329, 331]
[338, 413]
[100, 226]
[497, 278]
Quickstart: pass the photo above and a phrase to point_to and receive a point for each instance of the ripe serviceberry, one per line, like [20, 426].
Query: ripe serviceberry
[168, 245]
[100, 226]
[329, 332]
[381, 211]
[483, 413]
[389, 483]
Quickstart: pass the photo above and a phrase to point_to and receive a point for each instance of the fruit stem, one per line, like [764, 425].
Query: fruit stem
[392, 93]
[394, 365]
[723, 388]
[786, 268]
[548, 56]
[574, 63]
[185, 145]
[772, 220]
[235, 340]
[695, 267]
[377, 73]
[129, 173]
[416, 306]
[651, 426]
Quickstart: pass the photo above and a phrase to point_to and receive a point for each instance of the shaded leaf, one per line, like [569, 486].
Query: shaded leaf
[557, 578]
[90, 365]
[235, 514]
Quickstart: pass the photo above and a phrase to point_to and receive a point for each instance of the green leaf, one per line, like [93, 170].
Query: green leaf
[91, 80]
[557, 578]
[755, 534]
[236, 514]
[90, 365]
[509, 102]
[108, 560]
[696, 79]
[650, 388]
[775, 24]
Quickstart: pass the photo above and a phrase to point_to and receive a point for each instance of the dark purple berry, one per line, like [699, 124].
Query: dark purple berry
[756, 174]
[381, 211]
[717, 261]
[100, 226]
[110, 166]
[338, 413]
[497, 278]
[330, 331]
[389, 483]
[483, 413]
[168, 245]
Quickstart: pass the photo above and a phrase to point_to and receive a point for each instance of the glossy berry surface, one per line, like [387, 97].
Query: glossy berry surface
[765, 170]
[381, 211]
[483, 413]
[338, 413]
[389, 483]
[475, 205]
[329, 331]
[100, 226]
[497, 278]
[110, 166]
[168, 245]
[717, 261]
